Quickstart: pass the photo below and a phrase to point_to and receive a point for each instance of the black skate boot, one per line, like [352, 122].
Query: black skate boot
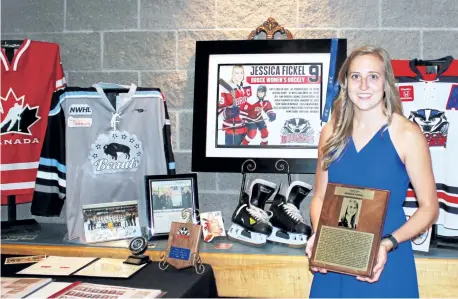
[250, 223]
[289, 227]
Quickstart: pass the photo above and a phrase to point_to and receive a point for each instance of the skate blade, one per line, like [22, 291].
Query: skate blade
[234, 234]
[299, 241]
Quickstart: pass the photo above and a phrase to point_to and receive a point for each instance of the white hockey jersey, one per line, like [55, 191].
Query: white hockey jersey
[429, 97]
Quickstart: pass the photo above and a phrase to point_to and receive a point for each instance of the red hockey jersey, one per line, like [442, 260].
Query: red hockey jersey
[27, 84]
[233, 125]
[251, 110]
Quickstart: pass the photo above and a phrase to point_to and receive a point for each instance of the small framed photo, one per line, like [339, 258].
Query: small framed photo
[170, 198]
[111, 221]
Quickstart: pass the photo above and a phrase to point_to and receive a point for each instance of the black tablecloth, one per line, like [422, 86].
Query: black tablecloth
[185, 283]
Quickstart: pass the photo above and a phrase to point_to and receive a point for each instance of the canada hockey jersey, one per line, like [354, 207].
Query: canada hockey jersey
[110, 147]
[27, 84]
[429, 97]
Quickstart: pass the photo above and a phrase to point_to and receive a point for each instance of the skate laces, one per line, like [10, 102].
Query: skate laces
[292, 211]
[259, 214]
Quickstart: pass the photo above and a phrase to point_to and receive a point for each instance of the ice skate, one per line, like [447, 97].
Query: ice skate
[289, 227]
[250, 222]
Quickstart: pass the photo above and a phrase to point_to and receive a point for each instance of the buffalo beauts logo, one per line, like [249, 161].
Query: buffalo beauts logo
[433, 124]
[297, 130]
[17, 117]
[117, 151]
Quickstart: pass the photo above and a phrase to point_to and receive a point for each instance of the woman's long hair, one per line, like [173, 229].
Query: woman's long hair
[343, 110]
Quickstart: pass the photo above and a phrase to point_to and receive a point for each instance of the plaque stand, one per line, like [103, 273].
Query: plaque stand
[196, 262]
[183, 245]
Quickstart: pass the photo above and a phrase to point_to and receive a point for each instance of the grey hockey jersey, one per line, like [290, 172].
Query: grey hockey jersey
[111, 146]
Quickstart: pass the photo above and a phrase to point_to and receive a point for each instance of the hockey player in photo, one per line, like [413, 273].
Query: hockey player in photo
[251, 113]
[233, 95]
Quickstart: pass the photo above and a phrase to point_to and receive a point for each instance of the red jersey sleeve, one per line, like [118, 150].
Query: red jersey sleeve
[59, 76]
[267, 106]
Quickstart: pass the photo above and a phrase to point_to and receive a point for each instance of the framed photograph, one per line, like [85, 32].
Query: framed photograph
[170, 198]
[261, 100]
[111, 221]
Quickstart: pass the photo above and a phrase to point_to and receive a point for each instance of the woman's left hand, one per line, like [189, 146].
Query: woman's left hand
[378, 268]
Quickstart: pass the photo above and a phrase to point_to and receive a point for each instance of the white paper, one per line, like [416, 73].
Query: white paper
[57, 265]
[49, 289]
[106, 267]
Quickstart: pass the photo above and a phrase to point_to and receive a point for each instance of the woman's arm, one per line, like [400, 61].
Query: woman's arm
[321, 180]
[417, 159]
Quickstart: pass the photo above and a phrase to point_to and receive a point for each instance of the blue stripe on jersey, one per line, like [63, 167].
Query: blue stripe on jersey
[82, 94]
[67, 94]
[53, 163]
[148, 92]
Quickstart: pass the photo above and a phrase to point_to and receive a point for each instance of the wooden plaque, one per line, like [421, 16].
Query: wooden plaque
[183, 245]
[349, 230]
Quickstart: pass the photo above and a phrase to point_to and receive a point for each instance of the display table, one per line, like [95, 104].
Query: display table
[185, 283]
[244, 271]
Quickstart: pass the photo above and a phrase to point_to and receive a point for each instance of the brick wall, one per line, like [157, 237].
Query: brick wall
[152, 42]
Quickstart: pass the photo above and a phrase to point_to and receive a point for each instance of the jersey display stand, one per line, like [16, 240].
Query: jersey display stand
[12, 225]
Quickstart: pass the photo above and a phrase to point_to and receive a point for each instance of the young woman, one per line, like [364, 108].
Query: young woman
[349, 218]
[369, 143]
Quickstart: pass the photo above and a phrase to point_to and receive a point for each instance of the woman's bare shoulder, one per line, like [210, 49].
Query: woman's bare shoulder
[405, 134]
[405, 129]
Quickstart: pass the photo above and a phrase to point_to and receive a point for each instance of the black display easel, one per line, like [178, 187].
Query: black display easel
[12, 225]
[249, 165]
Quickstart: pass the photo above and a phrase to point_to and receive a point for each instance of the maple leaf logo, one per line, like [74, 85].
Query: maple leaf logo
[14, 117]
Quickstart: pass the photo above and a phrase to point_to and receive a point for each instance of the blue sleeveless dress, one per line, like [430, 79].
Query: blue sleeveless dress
[376, 165]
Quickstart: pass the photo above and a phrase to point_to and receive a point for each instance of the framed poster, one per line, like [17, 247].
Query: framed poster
[170, 198]
[261, 100]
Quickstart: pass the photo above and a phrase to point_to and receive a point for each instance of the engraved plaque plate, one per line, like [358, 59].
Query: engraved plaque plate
[349, 230]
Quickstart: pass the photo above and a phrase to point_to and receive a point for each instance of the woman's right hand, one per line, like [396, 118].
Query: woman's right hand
[308, 252]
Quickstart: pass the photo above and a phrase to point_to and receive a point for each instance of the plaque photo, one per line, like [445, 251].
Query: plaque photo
[349, 230]
[261, 100]
[168, 196]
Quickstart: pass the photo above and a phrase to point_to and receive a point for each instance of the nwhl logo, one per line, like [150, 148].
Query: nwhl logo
[80, 109]
[183, 233]
[297, 130]
[15, 117]
[117, 151]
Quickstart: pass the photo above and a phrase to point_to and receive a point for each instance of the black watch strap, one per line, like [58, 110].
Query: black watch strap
[393, 240]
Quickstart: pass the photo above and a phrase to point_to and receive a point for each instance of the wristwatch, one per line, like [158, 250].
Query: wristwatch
[393, 240]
